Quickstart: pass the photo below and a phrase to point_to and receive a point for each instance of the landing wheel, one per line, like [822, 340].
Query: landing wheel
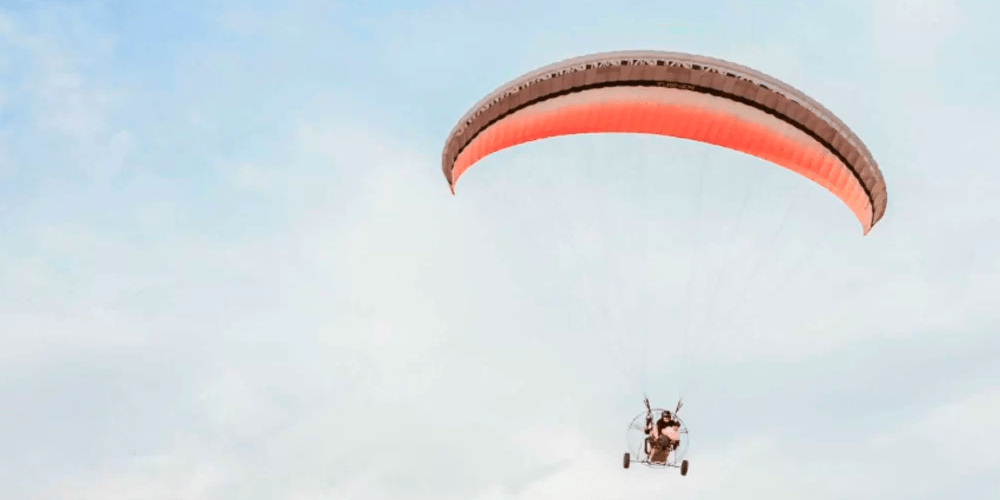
[684, 468]
[626, 460]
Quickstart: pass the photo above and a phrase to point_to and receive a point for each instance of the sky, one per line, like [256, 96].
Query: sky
[230, 266]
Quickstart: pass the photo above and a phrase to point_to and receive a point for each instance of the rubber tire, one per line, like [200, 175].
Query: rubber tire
[684, 468]
[626, 460]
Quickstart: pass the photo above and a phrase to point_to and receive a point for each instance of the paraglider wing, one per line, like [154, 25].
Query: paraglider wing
[678, 95]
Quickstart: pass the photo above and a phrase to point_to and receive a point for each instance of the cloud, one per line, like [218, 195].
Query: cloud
[285, 301]
[65, 116]
[915, 32]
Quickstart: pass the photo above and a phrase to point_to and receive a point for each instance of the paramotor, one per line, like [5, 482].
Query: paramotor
[643, 450]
